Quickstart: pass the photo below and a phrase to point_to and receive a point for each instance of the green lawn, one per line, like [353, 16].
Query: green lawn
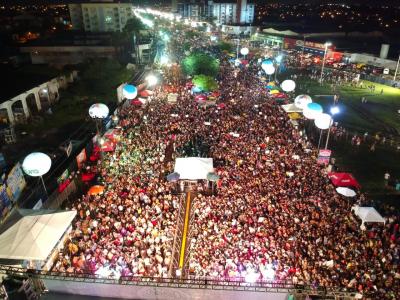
[379, 114]
[368, 167]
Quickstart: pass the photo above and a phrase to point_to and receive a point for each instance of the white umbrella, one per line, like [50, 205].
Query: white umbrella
[345, 191]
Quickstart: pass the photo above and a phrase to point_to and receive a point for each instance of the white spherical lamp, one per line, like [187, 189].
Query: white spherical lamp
[129, 91]
[288, 85]
[323, 121]
[312, 111]
[269, 69]
[98, 111]
[244, 51]
[36, 164]
[301, 101]
[152, 79]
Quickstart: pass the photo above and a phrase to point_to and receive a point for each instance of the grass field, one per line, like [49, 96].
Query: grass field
[378, 115]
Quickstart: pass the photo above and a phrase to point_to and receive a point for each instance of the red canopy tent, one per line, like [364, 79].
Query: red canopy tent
[216, 94]
[136, 102]
[221, 105]
[280, 95]
[88, 176]
[145, 93]
[108, 146]
[112, 134]
[201, 98]
[343, 180]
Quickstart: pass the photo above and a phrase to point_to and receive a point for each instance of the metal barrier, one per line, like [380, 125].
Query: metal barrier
[236, 284]
[379, 79]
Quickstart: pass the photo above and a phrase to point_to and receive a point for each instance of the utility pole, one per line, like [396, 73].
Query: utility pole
[397, 68]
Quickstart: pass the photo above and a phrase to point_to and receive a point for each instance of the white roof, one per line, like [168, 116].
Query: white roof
[193, 168]
[368, 214]
[290, 108]
[34, 236]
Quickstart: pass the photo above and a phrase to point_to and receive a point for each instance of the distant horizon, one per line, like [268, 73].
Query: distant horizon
[395, 3]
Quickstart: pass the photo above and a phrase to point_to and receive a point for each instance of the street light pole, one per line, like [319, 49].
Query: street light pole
[237, 49]
[397, 68]
[327, 44]
[329, 131]
[334, 111]
[44, 186]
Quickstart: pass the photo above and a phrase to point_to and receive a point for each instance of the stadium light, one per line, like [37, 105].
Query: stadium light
[151, 80]
[327, 44]
[335, 110]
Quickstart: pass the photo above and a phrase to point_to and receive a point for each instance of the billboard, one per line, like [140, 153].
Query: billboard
[15, 182]
[324, 156]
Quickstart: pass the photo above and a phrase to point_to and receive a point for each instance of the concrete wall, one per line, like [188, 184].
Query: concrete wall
[372, 60]
[18, 109]
[122, 291]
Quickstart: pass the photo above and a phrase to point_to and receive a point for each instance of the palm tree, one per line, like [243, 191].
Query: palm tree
[132, 29]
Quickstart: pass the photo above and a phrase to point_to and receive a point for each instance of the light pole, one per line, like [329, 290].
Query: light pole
[397, 68]
[302, 52]
[334, 110]
[237, 48]
[101, 142]
[278, 60]
[327, 44]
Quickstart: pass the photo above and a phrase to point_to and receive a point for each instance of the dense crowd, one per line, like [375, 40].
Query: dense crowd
[274, 216]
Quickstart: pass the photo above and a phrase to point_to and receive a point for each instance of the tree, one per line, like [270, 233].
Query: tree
[134, 25]
[206, 83]
[225, 46]
[101, 77]
[200, 63]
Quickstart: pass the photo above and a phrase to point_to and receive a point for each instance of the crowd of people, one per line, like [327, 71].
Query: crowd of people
[274, 216]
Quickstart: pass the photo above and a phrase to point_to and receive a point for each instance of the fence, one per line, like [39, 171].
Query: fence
[381, 80]
[205, 283]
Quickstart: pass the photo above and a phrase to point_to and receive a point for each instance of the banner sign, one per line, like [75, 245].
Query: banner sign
[16, 182]
[5, 202]
[69, 149]
[81, 158]
[324, 156]
[63, 177]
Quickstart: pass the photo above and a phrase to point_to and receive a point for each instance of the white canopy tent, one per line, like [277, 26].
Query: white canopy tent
[291, 108]
[33, 234]
[193, 168]
[367, 215]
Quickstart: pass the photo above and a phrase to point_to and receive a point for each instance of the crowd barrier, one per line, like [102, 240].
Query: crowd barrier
[92, 284]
